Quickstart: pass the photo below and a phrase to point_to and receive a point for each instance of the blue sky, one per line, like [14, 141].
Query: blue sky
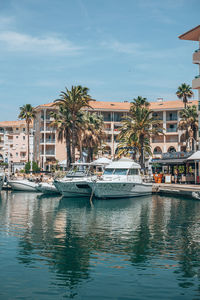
[118, 48]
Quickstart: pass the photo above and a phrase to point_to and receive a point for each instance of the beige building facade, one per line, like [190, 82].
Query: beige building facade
[47, 149]
[14, 142]
[194, 35]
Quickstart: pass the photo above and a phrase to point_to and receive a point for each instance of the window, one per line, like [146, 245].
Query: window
[17, 129]
[16, 136]
[16, 154]
[24, 129]
[133, 172]
[24, 137]
[108, 171]
[120, 172]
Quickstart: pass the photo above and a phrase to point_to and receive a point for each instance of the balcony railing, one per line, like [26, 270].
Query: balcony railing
[172, 118]
[48, 141]
[48, 152]
[51, 129]
[172, 129]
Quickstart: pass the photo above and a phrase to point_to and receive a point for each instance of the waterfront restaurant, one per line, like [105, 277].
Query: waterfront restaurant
[172, 163]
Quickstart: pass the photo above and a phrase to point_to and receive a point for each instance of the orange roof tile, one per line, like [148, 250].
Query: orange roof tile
[111, 106]
[12, 123]
[191, 35]
[176, 104]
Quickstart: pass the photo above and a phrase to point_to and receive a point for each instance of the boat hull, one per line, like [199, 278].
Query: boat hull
[47, 188]
[109, 190]
[25, 186]
[1, 181]
[73, 188]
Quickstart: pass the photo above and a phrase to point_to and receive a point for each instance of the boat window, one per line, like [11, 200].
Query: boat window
[120, 172]
[133, 172]
[108, 171]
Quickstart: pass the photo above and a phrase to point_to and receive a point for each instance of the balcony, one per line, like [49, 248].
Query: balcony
[49, 153]
[48, 141]
[196, 57]
[48, 129]
[196, 82]
[171, 116]
[171, 129]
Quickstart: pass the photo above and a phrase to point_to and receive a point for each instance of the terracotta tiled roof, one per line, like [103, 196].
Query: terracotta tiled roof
[176, 104]
[105, 105]
[192, 35]
[13, 123]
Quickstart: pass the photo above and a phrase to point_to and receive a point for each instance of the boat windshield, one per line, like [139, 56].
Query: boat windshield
[108, 171]
[120, 171]
[78, 170]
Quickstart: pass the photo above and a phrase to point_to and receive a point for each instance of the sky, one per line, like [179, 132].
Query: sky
[119, 49]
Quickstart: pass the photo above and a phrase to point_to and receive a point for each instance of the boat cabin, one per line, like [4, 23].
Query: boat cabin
[122, 168]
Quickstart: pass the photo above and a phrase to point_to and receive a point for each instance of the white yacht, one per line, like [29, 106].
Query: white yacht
[121, 179]
[1, 180]
[47, 188]
[75, 182]
[22, 185]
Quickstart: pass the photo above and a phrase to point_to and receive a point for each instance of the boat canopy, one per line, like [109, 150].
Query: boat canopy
[123, 164]
[101, 161]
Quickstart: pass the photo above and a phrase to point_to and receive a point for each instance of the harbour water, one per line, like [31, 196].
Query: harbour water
[59, 248]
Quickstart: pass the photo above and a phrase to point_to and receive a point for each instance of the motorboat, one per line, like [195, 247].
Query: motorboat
[196, 195]
[1, 180]
[47, 188]
[23, 185]
[121, 179]
[75, 182]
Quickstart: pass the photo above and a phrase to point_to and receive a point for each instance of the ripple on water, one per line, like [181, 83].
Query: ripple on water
[142, 248]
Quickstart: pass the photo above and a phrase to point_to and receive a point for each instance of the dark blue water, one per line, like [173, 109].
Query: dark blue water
[140, 248]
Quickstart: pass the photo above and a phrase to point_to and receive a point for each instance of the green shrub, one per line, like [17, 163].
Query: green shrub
[35, 167]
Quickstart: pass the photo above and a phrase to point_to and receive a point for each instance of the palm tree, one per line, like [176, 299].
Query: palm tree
[184, 92]
[27, 113]
[139, 102]
[189, 123]
[62, 122]
[137, 129]
[91, 133]
[74, 101]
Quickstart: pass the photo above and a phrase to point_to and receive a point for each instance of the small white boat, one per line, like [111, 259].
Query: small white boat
[23, 185]
[47, 188]
[121, 179]
[1, 180]
[196, 195]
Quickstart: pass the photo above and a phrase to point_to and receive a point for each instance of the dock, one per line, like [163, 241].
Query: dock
[175, 189]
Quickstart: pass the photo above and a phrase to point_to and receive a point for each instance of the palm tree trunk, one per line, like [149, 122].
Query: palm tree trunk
[73, 141]
[28, 141]
[142, 155]
[68, 150]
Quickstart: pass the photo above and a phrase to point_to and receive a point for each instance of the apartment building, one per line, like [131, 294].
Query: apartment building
[47, 149]
[194, 35]
[14, 142]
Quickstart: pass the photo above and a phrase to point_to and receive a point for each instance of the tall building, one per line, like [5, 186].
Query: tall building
[194, 35]
[14, 143]
[47, 149]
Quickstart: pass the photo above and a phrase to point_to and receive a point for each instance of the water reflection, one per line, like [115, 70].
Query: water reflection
[75, 240]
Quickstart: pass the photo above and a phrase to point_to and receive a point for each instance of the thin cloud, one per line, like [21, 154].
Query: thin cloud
[127, 48]
[15, 41]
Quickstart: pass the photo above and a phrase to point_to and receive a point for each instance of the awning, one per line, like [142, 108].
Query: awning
[177, 161]
[194, 156]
